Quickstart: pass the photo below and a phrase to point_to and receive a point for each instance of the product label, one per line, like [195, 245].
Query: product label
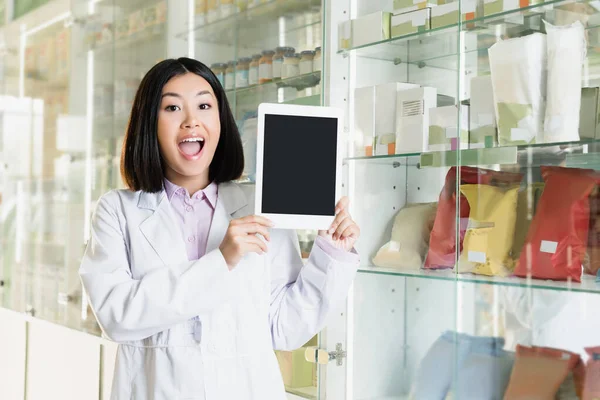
[520, 134]
[265, 71]
[253, 76]
[468, 6]
[305, 67]
[229, 81]
[477, 257]
[277, 64]
[221, 78]
[316, 65]
[289, 71]
[548, 246]
[419, 18]
[241, 78]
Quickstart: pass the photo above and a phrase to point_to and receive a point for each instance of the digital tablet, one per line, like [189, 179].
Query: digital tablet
[298, 165]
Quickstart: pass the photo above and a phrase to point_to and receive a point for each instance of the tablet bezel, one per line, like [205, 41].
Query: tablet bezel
[296, 221]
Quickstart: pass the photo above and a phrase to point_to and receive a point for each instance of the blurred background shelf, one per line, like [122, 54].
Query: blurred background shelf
[585, 152]
[257, 24]
[588, 283]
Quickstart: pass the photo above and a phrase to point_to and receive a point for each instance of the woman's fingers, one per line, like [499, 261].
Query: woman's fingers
[337, 221]
[255, 244]
[345, 224]
[342, 204]
[353, 231]
[253, 228]
[256, 219]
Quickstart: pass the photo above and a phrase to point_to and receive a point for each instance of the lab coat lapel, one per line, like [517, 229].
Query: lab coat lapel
[161, 229]
[229, 200]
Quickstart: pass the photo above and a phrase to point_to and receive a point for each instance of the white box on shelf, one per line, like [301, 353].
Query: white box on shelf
[482, 120]
[375, 113]
[444, 15]
[412, 121]
[410, 21]
[345, 34]
[371, 28]
[443, 132]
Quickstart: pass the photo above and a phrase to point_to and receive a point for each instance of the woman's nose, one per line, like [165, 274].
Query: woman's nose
[190, 122]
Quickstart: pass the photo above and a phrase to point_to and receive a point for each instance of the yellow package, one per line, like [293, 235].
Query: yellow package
[488, 241]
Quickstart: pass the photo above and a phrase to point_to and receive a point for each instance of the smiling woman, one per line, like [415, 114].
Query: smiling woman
[189, 130]
[196, 289]
[180, 101]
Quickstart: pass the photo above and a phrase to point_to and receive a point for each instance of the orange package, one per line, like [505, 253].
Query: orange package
[442, 241]
[591, 387]
[557, 240]
[539, 372]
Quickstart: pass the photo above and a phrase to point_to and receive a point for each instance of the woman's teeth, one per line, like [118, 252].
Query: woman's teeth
[191, 146]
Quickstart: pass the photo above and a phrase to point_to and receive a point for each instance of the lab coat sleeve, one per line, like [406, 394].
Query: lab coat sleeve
[129, 309]
[302, 296]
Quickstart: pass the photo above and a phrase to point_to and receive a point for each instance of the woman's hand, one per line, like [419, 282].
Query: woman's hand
[241, 238]
[343, 232]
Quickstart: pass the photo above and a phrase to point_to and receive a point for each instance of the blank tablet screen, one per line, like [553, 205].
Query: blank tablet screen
[299, 165]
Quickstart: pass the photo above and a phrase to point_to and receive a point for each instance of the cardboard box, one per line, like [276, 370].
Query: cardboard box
[345, 35]
[482, 121]
[412, 121]
[375, 115]
[589, 116]
[295, 370]
[443, 131]
[410, 22]
[371, 28]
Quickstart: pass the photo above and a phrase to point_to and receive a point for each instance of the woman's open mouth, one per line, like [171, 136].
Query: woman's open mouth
[191, 148]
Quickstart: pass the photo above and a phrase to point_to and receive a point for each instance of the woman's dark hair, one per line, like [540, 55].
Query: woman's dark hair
[142, 166]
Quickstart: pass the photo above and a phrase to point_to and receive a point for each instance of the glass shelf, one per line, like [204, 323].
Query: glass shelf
[300, 82]
[149, 35]
[257, 24]
[309, 392]
[588, 283]
[439, 47]
[582, 153]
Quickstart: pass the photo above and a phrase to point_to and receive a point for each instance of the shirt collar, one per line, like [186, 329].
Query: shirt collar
[211, 192]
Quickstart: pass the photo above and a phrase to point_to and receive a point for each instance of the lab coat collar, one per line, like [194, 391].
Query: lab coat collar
[161, 229]
[230, 194]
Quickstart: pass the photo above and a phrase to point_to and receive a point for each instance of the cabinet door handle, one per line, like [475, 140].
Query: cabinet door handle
[323, 357]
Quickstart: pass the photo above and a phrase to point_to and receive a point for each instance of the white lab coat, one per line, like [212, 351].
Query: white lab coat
[146, 295]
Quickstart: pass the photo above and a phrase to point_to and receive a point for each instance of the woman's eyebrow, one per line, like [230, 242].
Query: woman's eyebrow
[200, 93]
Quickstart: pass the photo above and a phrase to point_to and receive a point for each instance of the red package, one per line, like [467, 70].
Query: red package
[442, 241]
[557, 241]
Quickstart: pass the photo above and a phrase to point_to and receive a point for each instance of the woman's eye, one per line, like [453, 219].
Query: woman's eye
[171, 108]
[204, 106]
